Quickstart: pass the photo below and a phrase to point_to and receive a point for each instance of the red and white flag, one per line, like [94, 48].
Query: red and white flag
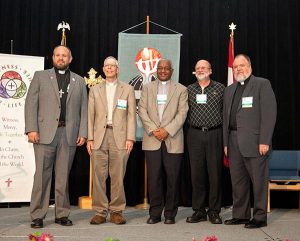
[230, 77]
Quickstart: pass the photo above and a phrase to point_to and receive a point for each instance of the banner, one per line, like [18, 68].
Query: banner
[17, 164]
[138, 56]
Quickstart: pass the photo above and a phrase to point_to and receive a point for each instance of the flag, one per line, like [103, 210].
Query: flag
[230, 77]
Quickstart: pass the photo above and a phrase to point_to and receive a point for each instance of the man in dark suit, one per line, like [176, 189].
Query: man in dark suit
[249, 117]
[55, 122]
[163, 108]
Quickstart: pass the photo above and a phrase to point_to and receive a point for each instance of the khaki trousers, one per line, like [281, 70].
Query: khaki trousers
[108, 160]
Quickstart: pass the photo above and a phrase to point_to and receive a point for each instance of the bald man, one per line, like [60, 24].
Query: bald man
[204, 140]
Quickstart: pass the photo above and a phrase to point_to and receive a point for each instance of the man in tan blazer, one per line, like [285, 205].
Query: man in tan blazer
[163, 108]
[111, 135]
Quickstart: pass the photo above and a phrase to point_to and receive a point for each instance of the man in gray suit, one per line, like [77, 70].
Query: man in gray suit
[111, 135]
[249, 117]
[163, 107]
[55, 122]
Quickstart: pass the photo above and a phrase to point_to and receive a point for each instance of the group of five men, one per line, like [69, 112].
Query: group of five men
[238, 122]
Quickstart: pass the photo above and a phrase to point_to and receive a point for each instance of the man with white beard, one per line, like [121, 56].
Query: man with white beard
[249, 117]
[204, 141]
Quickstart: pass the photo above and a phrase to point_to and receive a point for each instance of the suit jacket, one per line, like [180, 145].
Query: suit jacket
[255, 125]
[42, 107]
[123, 120]
[174, 115]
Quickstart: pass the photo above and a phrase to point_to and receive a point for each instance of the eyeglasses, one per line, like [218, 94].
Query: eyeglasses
[110, 65]
[203, 68]
[164, 68]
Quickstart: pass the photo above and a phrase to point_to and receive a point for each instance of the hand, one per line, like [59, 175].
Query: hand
[263, 149]
[33, 137]
[129, 146]
[80, 141]
[161, 134]
[225, 150]
[89, 147]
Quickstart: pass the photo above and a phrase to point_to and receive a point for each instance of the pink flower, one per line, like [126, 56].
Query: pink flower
[37, 236]
[46, 237]
[210, 238]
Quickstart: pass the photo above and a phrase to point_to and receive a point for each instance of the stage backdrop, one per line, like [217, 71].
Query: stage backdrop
[17, 165]
[138, 55]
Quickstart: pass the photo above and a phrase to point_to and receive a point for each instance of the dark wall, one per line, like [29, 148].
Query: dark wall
[267, 30]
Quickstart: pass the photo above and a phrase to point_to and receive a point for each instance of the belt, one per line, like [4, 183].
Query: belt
[205, 129]
[109, 126]
[61, 123]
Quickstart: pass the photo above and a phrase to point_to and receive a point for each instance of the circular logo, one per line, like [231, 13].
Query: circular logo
[12, 85]
[146, 60]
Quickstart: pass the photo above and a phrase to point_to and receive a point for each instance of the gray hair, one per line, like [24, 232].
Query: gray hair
[113, 58]
[245, 56]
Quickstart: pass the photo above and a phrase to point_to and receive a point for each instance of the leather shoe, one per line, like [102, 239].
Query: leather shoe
[255, 224]
[97, 219]
[117, 218]
[169, 221]
[197, 217]
[37, 223]
[214, 218]
[236, 221]
[64, 221]
[153, 220]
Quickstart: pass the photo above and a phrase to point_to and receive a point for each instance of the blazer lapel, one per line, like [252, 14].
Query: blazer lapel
[71, 85]
[170, 92]
[119, 91]
[102, 93]
[230, 99]
[53, 80]
[154, 98]
[246, 92]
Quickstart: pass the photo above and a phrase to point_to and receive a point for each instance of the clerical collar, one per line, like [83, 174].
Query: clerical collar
[245, 81]
[61, 71]
[164, 82]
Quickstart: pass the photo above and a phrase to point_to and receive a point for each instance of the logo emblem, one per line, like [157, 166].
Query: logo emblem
[12, 85]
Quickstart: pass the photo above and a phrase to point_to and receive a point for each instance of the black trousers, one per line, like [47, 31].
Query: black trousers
[161, 162]
[206, 159]
[243, 171]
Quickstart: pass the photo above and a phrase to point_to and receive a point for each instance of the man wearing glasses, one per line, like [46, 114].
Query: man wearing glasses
[163, 108]
[204, 139]
[111, 134]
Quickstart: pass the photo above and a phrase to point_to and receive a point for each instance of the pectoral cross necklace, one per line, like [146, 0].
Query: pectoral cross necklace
[63, 83]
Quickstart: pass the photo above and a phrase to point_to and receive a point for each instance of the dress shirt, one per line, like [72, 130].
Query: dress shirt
[110, 95]
[163, 89]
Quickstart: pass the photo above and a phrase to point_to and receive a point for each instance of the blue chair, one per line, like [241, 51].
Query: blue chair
[284, 172]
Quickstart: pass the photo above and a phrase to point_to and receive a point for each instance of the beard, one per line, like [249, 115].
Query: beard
[241, 77]
[61, 66]
[202, 76]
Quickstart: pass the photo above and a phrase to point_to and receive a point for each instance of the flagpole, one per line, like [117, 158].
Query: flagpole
[145, 204]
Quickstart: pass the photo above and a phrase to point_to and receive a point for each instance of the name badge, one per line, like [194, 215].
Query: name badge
[247, 102]
[121, 104]
[161, 99]
[201, 99]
